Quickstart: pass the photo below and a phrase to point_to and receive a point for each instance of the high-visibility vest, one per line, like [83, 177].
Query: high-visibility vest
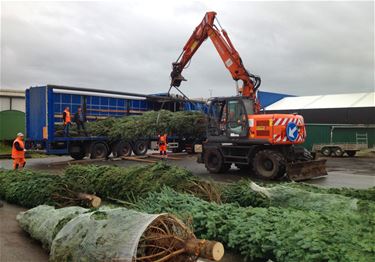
[15, 152]
[163, 139]
[67, 116]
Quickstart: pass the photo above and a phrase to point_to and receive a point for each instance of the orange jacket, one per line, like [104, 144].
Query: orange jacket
[67, 119]
[163, 140]
[15, 152]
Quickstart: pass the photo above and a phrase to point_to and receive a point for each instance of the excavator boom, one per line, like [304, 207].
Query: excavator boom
[227, 52]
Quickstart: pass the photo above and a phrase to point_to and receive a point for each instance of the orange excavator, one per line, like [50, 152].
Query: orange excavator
[238, 132]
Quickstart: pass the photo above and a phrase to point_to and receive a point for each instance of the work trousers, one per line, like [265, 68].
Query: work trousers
[18, 163]
[81, 125]
[66, 128]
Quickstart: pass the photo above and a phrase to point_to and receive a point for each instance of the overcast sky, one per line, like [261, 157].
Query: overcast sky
[299, 48]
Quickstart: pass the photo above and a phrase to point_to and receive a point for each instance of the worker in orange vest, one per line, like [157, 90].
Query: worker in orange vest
[67, 120]
[18, 152]
[163, 144]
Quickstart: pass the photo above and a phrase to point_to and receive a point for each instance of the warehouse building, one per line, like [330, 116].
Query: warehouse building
[341, 118]
[12, 113]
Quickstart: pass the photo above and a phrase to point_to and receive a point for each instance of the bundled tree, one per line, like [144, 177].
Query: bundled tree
[29, 189]
[114, 234]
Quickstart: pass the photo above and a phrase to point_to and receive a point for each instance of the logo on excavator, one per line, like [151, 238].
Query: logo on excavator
[292, 131]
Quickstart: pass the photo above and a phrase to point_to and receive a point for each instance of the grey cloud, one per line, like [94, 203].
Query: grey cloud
[299, 48]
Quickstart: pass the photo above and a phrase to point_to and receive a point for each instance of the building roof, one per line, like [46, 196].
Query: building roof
[12, 93]
[325, 101]
[268, 98]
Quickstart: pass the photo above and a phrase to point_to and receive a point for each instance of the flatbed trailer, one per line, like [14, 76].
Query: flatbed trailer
[45, 104]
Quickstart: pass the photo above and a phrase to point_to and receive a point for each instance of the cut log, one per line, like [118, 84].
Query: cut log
[207, 249]
[93, 200]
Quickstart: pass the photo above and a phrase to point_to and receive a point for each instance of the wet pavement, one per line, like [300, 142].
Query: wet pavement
[15, 244]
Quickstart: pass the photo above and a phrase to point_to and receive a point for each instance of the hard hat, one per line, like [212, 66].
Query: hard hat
[19, 134]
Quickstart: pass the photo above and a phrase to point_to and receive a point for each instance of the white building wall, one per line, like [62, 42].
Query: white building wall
[18, 103]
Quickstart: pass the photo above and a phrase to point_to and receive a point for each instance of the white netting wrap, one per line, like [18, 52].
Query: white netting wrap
[101, 235]
[117, 234]
[44, 222]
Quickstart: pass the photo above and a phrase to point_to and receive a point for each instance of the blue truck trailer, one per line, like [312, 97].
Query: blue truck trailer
[45, 104]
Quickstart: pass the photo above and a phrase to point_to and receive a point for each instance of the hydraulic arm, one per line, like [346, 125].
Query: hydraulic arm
[227, 52]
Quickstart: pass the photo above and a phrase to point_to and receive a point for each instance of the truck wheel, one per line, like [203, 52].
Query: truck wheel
[123, 148]
[140, 147]
[338, 152]
[268, 164]
[214, 162]
[351, 153]
[99, 150]
[191, 149]
[326, 151]
[78, 156]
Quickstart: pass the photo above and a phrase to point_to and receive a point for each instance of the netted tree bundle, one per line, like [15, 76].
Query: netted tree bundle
[364, 194]
[279, 234]
[44, 222]
[118, 234]
[299, 196]
[150, 124]
[30, 188]
[285, 196]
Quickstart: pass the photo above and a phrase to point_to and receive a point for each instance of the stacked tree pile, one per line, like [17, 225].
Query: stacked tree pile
[152, 123]
[279, 234]
[118, 234]
[149, 124]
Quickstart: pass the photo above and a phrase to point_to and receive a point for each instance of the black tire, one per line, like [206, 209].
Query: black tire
[214, 162]
[337, 151]
[123, 148]
[351, 153]
[191, 149]
[269, 164]
[140, 147]
[78, 156]
[326, 151]
[99, 150]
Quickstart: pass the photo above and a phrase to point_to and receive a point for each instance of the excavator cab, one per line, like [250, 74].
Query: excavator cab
[228, 117]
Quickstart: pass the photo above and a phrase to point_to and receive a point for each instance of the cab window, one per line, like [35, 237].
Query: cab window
[237, 119]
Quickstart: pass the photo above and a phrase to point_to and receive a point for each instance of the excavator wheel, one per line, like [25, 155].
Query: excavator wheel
[269, 164]
[214, 162]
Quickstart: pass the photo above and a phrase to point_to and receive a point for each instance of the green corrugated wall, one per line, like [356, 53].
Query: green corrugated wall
[321, 134]
[11, 122]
